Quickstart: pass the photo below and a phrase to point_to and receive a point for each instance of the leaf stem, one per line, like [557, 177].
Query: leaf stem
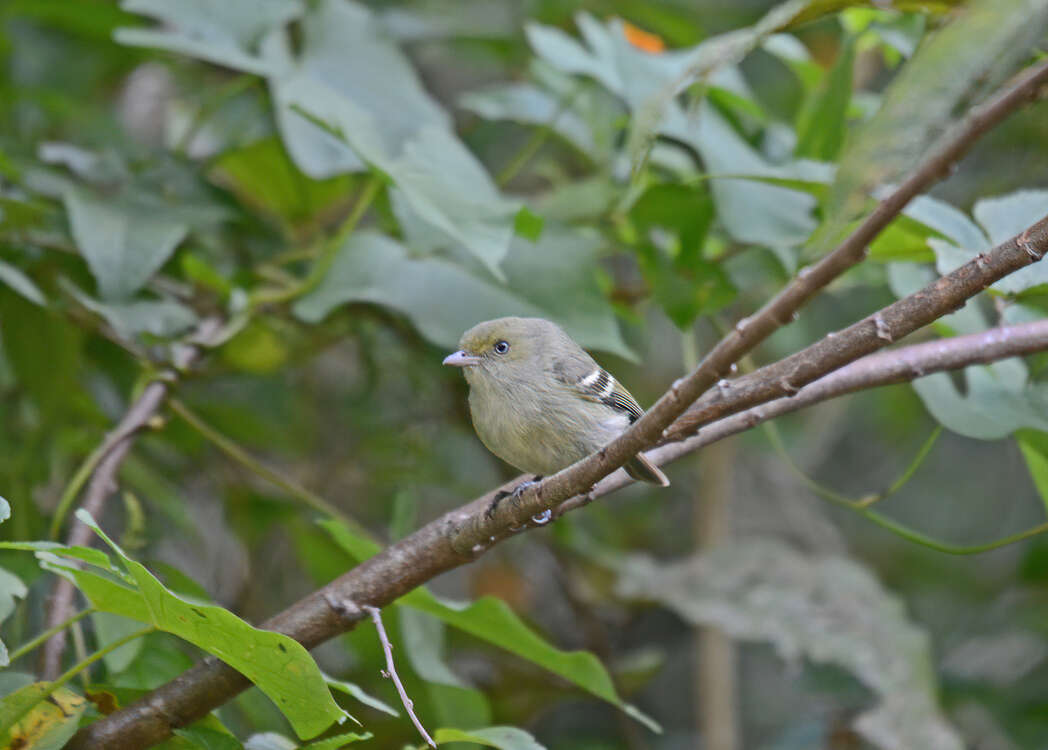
[30, 645]
[249, 462]
[72, 490]
[538, 138]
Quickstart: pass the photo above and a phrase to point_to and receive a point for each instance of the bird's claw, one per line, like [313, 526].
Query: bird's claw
[516, 494]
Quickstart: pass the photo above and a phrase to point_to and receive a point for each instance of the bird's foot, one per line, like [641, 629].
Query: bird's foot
[515, 494]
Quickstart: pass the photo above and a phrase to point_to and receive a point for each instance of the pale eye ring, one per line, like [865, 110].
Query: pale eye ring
[501, 347]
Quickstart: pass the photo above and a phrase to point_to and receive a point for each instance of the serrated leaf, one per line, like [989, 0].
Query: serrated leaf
[825, 609]
[504, 738]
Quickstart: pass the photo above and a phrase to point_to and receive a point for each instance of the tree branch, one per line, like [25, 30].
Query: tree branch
[461, 535]
[108, 456]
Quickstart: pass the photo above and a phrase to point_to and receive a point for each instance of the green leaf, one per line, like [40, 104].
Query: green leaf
[263, 176]
[530, 104]
[967, 57]
[207, 738]
[826, 609]
[29, 721]
[492, 620]
[11, 588]
[348, 56]
[21, 283]
[527, 225]
[219, 33]
[752, 212]
[124, 243]
[505, 738]
[278, 665]
[109, 628]
[163, 318]
[336, 742]
[1007, 216]
[443, 299]
[1034, 447]
[357, 692]
[822, 122]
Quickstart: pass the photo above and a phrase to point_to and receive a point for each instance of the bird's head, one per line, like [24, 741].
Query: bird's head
[502, 347]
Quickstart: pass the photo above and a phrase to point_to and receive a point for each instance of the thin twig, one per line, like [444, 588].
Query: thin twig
[391, 672]
[245, 459]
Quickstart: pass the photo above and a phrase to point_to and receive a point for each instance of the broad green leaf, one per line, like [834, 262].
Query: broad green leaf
[423, 638]
[653, 106]
[278, 665]
[530, 104]
[752, 212]
[1002, 219]
[958, 63]
[95, 557]
[109, 628]
[163, 318]
[263, 176]
[222, 33]
[492, 620]
[504, 738]
[949, 221]
[124, 243]
[27, 720]
[1007, 216]
[996, 404]
[14, 278]
[442, 299]
[336, 742]
[208, 738]
[822, 123]
[347, 53]
[11, 588]
[437, 181]
[825, 609]
[270, 741]
[355, 691]
[1034, 447]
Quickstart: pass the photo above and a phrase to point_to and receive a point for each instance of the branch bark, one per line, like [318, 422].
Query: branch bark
[463, 534]
[101, 485]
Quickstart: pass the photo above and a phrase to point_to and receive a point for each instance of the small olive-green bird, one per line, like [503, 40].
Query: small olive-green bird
[539, 402]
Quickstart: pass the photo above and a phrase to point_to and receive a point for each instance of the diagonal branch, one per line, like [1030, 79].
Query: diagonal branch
[461, 535]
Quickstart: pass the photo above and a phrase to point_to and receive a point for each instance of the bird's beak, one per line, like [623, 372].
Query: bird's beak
[461, 359]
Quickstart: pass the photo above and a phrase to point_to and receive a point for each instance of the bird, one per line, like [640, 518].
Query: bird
[539, 402]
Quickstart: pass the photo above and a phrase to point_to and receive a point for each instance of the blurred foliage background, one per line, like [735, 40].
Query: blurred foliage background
[350, 186]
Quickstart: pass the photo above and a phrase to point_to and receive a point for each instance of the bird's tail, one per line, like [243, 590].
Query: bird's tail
[643, 470]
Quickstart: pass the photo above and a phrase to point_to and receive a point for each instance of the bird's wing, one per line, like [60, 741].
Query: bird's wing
[593, 382]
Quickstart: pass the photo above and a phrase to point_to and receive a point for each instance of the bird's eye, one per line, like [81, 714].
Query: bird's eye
[501, 347]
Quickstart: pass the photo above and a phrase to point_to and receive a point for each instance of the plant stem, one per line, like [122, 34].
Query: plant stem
[249, 462]
[25, 648]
